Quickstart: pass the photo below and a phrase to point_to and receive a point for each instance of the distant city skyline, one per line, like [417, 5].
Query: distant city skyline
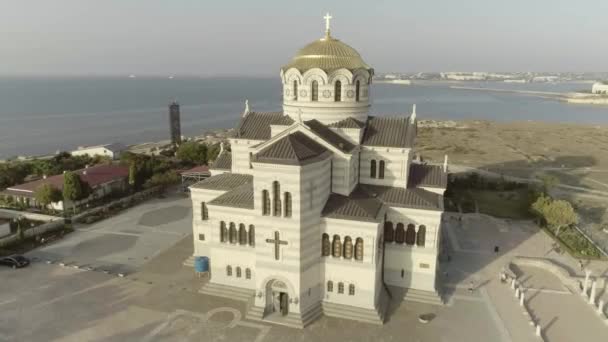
[243, 38]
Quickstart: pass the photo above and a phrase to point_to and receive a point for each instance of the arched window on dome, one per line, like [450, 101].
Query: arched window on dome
[338, 91]
[357, 89]
[295, 90]
[315, 91]
[381, 169]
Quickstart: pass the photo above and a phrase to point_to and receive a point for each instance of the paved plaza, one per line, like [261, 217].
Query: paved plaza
[124, 242]
[158, 299]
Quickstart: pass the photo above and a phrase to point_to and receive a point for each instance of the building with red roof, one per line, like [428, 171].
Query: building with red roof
[103, 180]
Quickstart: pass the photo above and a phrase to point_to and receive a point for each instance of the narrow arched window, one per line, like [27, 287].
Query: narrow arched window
[421, 236]
[348, 248]
[247, 273]
[265, 203]
[232, 233]
[359, 249]
[242, 234]
[337, 246]
[351, 289]
[325, 245]
[251, 235]
[410, 235]
[357, 89]
[295, 90]
[330, 286]
[381, 169]
[389, 232]
[372, 169]
[204, 212]
[276, 193]
[400, 233]
[287, 204]
[223, 232]
[315, 91]
[338, 91]
[340, 287]
[229, 271]
[238, 272]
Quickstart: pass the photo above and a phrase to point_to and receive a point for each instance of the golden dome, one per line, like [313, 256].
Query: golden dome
[327, 54]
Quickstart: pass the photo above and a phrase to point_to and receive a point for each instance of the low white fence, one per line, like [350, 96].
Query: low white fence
[57, 224]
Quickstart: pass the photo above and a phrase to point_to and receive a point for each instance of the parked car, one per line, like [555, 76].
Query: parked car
[14, 261]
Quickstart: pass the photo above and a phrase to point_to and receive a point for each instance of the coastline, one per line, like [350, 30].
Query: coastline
[572, 97]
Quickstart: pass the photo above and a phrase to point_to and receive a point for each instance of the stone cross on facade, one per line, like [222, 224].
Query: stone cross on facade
[327, 18]
[277, 244]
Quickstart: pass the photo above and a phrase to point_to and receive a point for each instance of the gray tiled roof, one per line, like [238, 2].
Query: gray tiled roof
[347, 123]
[293, 149]
[223, 161]
[240, 197]
[389, 132]
[330, 136]
[358, 206]
[224, 182]
[256, 126]
[431, 176]
[415, 198]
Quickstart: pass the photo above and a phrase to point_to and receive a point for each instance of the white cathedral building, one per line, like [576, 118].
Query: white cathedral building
[321, 208]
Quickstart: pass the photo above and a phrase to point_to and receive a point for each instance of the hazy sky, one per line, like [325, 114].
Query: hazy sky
[255, 37]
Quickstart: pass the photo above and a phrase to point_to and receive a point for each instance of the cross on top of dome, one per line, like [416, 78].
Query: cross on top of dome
[327, 18]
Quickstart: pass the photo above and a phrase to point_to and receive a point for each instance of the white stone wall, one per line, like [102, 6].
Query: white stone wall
[95, 151]
[209, 227]
[354, 135]
[413, 266]
[241, 154]
[364, 274]
[397, 163]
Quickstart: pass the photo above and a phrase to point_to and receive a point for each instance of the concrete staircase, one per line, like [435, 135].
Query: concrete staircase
[372, 316]
[292, 320]
[428, 297]
[230, 292]
[189, 262]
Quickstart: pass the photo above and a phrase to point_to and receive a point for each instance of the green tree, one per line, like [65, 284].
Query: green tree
[163, 180]
[47, 194]
[192, 152]
[560, 214]
[132, 175]
[72, 189]
[556, 213]
[213, 151]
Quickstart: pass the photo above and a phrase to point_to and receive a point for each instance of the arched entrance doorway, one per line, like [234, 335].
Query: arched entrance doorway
[277, 298]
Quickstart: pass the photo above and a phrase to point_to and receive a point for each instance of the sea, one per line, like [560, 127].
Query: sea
[40, 116]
